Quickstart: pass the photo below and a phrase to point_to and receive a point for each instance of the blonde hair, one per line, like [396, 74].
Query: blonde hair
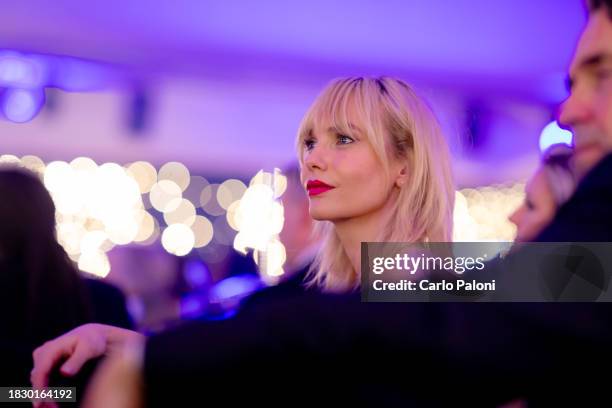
[401, 126]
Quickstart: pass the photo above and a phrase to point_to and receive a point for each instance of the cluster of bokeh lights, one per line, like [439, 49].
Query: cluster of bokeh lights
[101, 206]
[481, 214]
[259, 217]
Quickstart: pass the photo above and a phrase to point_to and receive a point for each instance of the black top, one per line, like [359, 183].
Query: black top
[292, 286]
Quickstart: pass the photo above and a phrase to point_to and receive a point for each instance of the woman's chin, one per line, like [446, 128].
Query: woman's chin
[320, 214]
[319, 217]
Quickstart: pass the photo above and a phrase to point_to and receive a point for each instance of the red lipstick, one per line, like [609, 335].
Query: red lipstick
[316, 187]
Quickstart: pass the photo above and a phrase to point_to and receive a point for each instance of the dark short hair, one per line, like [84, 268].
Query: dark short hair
[595, 5]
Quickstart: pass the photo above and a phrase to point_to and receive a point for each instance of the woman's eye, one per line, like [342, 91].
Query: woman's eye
[309, 144]
[343, 139]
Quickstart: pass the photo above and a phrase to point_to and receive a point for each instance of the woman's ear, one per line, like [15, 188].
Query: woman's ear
[402, 177]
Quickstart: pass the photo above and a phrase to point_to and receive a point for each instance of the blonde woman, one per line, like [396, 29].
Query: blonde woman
[376, 168]
[549, 188]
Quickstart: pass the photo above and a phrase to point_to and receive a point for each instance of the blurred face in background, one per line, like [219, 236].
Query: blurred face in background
[538, 209]
[588, 109]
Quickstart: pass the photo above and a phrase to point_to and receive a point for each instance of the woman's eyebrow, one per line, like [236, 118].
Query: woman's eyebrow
[335, 129]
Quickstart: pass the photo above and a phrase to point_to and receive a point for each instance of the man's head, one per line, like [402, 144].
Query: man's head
[588, 109]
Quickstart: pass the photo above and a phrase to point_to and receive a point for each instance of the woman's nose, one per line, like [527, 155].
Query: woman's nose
[316, 158]
[516, 216]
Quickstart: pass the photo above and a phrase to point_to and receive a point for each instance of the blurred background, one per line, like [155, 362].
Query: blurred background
[148, 121]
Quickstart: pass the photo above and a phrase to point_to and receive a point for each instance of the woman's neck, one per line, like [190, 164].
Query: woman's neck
[366, 228]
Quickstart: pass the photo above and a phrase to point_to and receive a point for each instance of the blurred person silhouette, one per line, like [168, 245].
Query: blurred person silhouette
[549, 188]
[41, 292]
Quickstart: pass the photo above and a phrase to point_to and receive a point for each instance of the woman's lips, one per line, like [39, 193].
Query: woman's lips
[316, 187]
[318, 190]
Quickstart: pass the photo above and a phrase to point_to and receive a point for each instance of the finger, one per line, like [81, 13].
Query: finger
[82, 353]
[45, 358]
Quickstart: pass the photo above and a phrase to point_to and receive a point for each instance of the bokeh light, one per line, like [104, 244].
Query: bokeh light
[96, 263]
[70, 235]
[92, 241]
[122, 228]
[209, 202]
[553, 134]
[84, 164]
[276, 180]
[230, 191]
[481, 214]
[270, 261]
[231, 215]
[203, 231]
[9, 159]
[146, 228]
[154, 235]
[33, 164]
[178, 239]
[21, 105]
[22, 71]
[184, 213]
[279, 183]
[144, 173]
[165, 196]
[258, 217]
[194, 190]
[175, 172]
